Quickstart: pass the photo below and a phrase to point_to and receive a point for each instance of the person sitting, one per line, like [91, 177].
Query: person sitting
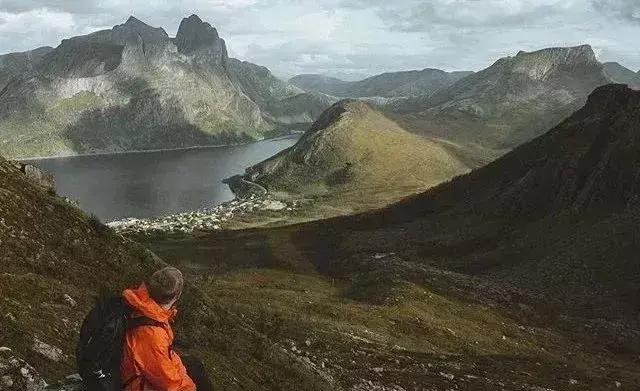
[149, 361]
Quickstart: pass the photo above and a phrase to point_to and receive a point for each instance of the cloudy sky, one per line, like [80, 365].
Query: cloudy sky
[352, 38]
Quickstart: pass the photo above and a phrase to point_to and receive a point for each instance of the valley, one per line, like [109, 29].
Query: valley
[557, 306]
[418, 230]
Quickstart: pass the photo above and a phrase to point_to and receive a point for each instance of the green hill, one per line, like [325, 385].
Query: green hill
[355, 157]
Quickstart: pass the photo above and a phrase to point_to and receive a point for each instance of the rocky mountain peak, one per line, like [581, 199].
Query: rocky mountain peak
[194, 34]
[133, 21]
[134, 30]
[570, 51]
[541, 63]
[135, 25]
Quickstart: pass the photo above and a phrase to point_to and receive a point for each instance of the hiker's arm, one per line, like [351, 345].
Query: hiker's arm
[161, 368]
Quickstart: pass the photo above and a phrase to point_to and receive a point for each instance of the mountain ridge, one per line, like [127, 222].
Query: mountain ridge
[620, 74]
[556, 216]
[133, 87]
[512, 101]
[386, 85]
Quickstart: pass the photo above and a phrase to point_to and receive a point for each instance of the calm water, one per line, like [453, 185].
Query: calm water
[155, 183]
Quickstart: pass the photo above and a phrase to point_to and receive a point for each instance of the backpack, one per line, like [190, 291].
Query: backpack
[99, 349]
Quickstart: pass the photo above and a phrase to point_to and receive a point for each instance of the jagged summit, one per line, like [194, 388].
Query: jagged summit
[133, 21]
[135, 25]
[194, 35]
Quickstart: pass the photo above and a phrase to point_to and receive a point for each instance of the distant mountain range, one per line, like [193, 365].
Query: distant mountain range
[491, 111]
[133, 88]
[622, 75]
[388, 85]
[358, 158]
[513, 101]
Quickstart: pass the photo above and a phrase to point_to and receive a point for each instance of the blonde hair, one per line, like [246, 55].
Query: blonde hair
[165, 285]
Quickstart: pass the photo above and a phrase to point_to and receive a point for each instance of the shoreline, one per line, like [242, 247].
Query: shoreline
[34, 158]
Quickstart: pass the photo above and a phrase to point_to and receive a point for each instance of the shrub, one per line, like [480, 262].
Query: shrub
[97, 225]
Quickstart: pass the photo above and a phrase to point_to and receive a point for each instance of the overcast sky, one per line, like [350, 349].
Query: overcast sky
[352, 38]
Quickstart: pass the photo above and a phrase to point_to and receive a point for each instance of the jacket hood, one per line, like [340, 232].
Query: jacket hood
[144, 305]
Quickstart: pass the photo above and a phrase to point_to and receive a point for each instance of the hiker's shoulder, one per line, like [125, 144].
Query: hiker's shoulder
[148, 329]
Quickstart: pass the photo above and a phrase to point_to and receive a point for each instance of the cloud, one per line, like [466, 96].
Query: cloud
[351, 37]
[33, 28]
[431, 14]
[623, 9]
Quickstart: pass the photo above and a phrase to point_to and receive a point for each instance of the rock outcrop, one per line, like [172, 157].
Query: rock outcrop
[18, 375]
[39, 177]
[201, 40]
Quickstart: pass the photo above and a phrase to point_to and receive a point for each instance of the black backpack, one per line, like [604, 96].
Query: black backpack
[99, 349]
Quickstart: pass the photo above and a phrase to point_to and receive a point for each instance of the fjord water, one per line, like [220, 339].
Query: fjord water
[157, 183]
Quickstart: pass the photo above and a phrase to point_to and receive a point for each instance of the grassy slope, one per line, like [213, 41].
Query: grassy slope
[366, 315]
[353, 159]
[49, 249]
[521, 274]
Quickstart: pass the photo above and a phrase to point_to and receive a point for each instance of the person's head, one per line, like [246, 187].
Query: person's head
[165, 286]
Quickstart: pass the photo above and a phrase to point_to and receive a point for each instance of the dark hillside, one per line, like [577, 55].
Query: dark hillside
[55, 260]
[541, 245]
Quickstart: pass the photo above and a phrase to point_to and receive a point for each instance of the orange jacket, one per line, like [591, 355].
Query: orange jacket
[147, 356]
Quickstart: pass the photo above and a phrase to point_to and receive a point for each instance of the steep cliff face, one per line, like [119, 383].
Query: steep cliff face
[511, 102]
[131, 88]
